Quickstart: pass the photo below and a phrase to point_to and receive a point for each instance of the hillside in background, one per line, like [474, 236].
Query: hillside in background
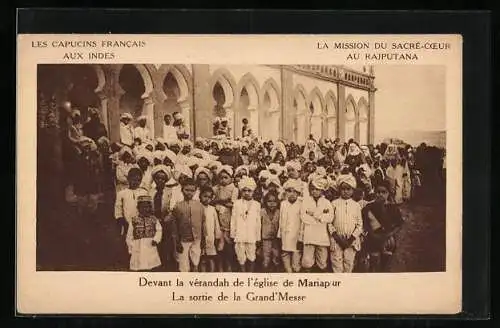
[415, 138]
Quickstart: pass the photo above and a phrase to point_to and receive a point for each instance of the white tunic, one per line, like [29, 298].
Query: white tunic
[143, 255]
[315, 216]
[245, 221]
[142, 133]
[212, 229]
[347, 220]
[126, 203]
[169, 132]
[126, 134]
[290, 225]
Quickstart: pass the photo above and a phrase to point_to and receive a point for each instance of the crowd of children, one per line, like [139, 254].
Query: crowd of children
[244, 204]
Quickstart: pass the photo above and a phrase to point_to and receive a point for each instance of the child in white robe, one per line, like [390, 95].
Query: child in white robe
[346, 227]
[126, 200]
[246, 225]
[143, 237]
[316, 213]
[212, 239]
[290, 226]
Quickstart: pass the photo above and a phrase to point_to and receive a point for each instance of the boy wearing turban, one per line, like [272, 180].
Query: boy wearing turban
[290, 226]
[346, 227]
[225, 194]
[316, 213]
[246, 225]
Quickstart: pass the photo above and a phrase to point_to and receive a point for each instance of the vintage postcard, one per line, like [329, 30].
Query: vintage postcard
[249, 174]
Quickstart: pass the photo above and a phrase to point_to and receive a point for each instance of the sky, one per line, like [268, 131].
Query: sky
[409, 98]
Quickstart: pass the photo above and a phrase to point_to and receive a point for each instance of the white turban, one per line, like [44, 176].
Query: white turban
[214, 165]
[294, 165]
[159, 154]
[144, 154]
[248, 183]
[225, 168]
[161, 168]
[320, 171]
[264, 174]
[173, 142]
[192, 161]
[320, 183]
[125, 150]
[273, 179]
[182, 169]
[293, 184]
[170, 155]
[241, 168]
[142, 118]
[186, 143]
[126, 115]
[177, 116]
[346, 178]
[202, 170]
[276, 168]
[75, 112]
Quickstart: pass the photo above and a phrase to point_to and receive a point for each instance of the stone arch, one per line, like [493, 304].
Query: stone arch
[101, 79]
[271, 87]
[251, 110]
[316, 96]
[165, 104]
[350, 118]
[180, 73]
[227, 82]
[300, 125]
[147, 79]
[330, 128]
[270, 110]
[299, 94]
[362, 109]
[225, 79]
[362, 124]
[316, 104]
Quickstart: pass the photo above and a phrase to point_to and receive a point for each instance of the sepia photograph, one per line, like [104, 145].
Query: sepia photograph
[241, 168]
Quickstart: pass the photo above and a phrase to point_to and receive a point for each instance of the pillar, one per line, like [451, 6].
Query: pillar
[356, 126]
[203, 102]
[287, 112]
[186, 113]
[371, 116]
[113, 92]
[253, 121]
[148, 110]
[341, 105]
[104, 110]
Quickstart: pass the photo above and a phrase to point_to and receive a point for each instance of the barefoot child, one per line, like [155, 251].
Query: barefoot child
[382, 220]
[270, 216]
[143, 237]
[246, 225]
[213, 241]
[225, 194]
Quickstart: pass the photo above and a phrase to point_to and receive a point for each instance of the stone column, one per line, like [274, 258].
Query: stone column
[149, 112]
[203, 101]
[287, 111]
[253, 122]
[113, 93]
[341, 105]
[371, 116]
[186, 113]
[104, 110]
